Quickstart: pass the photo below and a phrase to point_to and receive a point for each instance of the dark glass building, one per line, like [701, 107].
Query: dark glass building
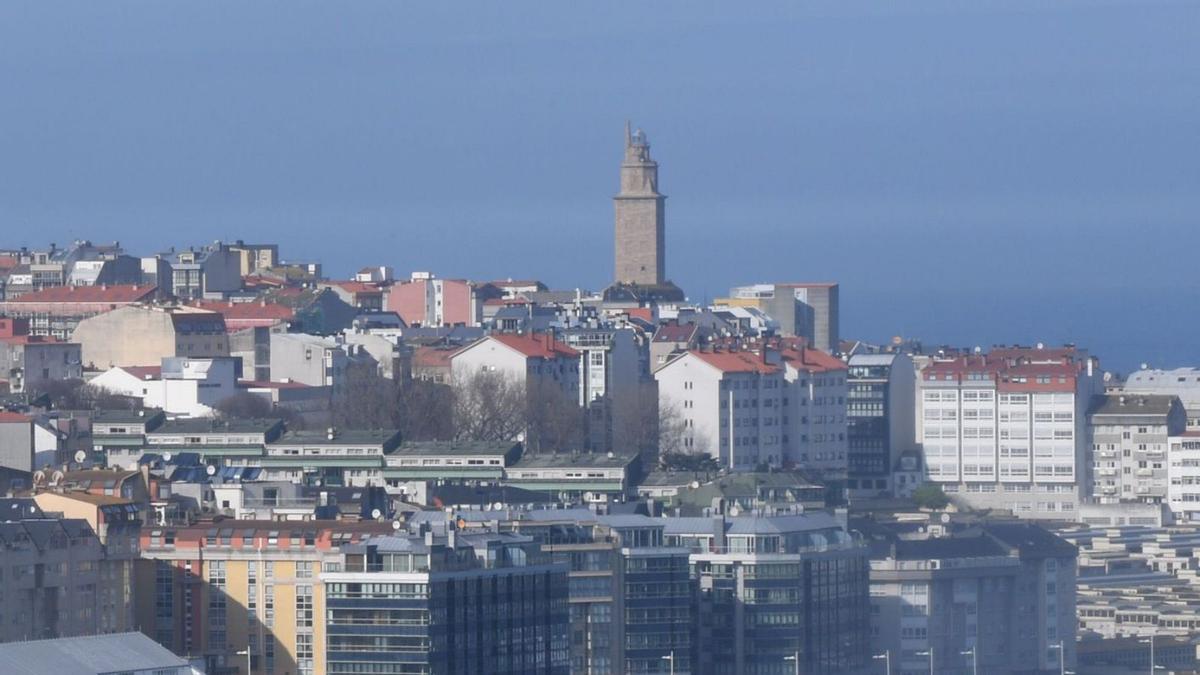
[453, 603]
[880, 395]
[777, 589]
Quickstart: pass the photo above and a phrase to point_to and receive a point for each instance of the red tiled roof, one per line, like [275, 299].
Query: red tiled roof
[144, 372]
[8, 261]
[673, 332]
[14, 417]
[357, 287]
[813, 360]
[537, 345]
[643, 313]
[242, 312]
[69, 294]
[736, 362]
[432, 357]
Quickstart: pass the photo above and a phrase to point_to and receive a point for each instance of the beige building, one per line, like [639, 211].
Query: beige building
[142, 335]
[223, 586]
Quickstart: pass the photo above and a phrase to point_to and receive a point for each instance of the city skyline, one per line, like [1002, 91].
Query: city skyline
[862, 126]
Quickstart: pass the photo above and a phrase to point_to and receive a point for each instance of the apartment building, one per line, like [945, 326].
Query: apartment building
[536, 361]
[332, 456]
[731, 404]
[1181, 382]
[613, 374]
[1183, 475]
[772, 587]
[880, 414]
[27, 361]
[807, 310]
[424, 300]
[1130, 435]
[814, 407]
[1000, 598]
[223, 586]
[56, 311]
[143, 335]
[59, 579]
[449, 602]
[1007, 429]
[308, 359]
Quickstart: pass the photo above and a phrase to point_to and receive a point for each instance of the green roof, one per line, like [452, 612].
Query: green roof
[568, 461]
[455, 448]
[340, 437]
[206, 425]
[560, 485]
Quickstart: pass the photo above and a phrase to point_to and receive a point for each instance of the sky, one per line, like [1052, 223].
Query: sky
[970, 173]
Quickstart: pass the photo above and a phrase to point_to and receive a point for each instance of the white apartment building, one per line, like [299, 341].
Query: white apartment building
[815, 410]
[1183, 475]
[1007, 429]
[731, 403]
[1129, 436]
[533, 360]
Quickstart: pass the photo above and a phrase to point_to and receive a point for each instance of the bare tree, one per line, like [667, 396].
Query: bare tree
[488, 406]
[79, 395]
[553, 419]
[367, 401]
[244, 405]
[426, 411]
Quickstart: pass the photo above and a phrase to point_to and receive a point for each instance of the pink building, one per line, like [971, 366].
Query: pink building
[426, 301]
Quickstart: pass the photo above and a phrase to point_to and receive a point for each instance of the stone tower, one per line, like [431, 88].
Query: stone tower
[640, 220]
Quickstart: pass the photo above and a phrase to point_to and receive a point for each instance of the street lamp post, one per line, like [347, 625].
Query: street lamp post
[245, 651]
[1062, 657]
[1150, 641]
[887, 660]
[928, 653]
[671, 658]
[794, 657]
[974, 660]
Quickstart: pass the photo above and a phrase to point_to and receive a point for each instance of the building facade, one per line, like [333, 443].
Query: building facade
[1130, 437]
[1008, 429]
[880, 414]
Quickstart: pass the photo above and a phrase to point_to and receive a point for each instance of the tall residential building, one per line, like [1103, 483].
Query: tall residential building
[807, 310]
[1183, 475]
[731, 404]
[1130, 436]
[631, 598]
[59, 579]
[880, 414]
[614, 382]
[814, 411]
[1008, 430]
[446, 602]
[772, 587]
[640, 216]
[215, 588]
[1002, 596]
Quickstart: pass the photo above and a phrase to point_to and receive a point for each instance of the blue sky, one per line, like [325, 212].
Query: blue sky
[970, 172]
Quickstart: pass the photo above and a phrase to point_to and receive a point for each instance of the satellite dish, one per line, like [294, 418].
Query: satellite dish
[80, 456]
[395, 524]
[945, 518]
[210, 470]
[375, 513]
[695, 485]
[498, 506]
[166, 456]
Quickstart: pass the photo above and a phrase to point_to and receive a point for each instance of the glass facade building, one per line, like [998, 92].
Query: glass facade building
[453, 603]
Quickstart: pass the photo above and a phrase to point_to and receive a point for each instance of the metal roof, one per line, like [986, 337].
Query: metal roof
[89, 655]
